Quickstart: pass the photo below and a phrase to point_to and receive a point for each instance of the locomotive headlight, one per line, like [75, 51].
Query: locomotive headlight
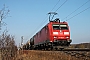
[50, 41]
[55, 33]
[66, 33]
[55, 37]
[67, 37]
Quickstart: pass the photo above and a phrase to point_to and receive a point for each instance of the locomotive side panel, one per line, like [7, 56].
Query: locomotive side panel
[42, 36]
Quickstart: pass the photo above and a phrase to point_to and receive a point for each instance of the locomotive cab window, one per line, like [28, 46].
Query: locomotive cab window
[63, 27]
[56, 27]
[60, 27]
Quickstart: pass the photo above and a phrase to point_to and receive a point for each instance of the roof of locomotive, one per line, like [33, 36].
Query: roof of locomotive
[57, 21]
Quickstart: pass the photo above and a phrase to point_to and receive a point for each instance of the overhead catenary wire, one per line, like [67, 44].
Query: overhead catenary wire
[55, 5]
[76, 9]
[78, 13]
[56, 9]
[61, 5]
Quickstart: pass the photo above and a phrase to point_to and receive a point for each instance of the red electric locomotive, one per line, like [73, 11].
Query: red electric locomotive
[55, 33]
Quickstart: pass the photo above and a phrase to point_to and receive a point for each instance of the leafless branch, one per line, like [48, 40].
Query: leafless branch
[7, 46]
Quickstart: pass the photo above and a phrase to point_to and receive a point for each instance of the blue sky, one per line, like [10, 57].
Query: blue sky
[29, 16]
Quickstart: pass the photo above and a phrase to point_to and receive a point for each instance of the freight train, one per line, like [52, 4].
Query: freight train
[53, 34]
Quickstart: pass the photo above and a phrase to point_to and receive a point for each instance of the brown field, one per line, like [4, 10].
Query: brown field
[51, 55]
[44, 55]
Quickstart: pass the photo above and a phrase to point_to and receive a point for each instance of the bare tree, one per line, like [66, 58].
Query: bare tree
[8, 49]
[3, 14]
[7, 46]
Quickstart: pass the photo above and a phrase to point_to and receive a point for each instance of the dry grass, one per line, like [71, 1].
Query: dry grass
[44, 55]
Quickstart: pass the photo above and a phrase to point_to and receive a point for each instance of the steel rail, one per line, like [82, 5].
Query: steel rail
[75, 49]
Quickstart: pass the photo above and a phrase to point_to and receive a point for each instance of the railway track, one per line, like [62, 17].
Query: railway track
[75, 49]
[82, 53]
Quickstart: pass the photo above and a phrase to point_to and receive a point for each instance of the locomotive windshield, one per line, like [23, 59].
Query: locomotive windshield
[60, 27]
[56, 27]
